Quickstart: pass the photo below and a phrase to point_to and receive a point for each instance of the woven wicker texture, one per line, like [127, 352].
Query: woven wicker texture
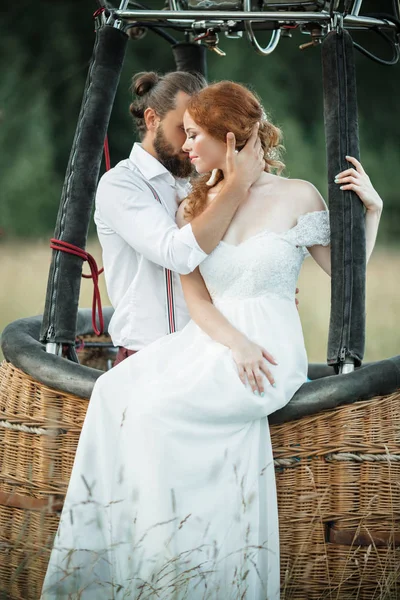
[338, 480]
[339, 502]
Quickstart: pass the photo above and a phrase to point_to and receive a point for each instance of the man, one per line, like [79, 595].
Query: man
[136, 203]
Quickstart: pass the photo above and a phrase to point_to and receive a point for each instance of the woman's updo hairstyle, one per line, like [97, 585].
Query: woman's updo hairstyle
[224, 107]
[158, 92]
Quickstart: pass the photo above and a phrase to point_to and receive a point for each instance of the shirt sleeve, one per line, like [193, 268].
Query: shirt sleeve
[127, 207]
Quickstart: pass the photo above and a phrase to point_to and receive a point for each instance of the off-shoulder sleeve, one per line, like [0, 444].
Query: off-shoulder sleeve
[313, 229]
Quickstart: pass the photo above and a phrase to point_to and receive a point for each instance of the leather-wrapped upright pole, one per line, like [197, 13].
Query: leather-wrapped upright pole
[347, 322]
[61, 308]
[189, 56]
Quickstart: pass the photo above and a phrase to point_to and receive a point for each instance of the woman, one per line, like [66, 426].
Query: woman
[173, 494]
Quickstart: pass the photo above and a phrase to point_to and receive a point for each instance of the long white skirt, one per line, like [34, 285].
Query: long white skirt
[172, 493]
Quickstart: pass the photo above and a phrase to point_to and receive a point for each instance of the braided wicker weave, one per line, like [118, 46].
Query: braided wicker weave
[338, 479]
[339, 502]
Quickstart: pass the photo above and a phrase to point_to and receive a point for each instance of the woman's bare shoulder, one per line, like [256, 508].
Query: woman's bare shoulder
[297, 193]
[305, 195]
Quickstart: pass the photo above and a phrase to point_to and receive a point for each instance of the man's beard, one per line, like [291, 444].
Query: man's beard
[175, 164]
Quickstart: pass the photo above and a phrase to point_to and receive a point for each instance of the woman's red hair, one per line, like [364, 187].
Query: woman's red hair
[228, 106]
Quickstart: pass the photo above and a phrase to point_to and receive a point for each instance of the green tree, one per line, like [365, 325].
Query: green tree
[44, 55]
[29, 186]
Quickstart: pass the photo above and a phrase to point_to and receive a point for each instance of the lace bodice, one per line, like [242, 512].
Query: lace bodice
[265, 264]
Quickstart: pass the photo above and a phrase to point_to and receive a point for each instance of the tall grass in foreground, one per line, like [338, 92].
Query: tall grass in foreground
[24, 269]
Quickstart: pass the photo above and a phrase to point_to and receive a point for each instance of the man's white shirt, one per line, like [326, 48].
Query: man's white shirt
[139, 237]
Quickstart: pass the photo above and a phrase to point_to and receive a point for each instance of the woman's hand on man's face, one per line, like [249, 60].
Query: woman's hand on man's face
[357, 180]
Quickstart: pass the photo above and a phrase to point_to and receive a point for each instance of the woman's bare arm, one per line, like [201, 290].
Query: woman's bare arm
[242, 170]
[355, 179]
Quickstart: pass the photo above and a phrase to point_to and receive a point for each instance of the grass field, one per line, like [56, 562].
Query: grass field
[24, 270]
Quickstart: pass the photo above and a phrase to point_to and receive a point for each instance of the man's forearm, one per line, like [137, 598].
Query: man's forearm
[210, 226]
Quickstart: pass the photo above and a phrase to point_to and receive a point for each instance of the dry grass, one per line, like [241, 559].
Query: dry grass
[24, 270]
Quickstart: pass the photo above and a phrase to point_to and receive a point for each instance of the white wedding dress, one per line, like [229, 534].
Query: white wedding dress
[172, 494]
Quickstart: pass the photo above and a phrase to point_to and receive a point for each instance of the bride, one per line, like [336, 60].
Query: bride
[172, 494]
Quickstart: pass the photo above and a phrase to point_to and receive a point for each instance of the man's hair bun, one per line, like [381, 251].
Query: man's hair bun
[158, 92]
[135, 111]
[142, 83]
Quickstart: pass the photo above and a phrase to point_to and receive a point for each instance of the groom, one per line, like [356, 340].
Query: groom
[136, 204]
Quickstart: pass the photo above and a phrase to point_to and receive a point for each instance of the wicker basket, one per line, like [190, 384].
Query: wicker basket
[39, 432]
[339, 502]
[338, 479]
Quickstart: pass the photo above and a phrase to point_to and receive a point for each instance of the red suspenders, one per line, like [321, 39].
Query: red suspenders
[169, 282]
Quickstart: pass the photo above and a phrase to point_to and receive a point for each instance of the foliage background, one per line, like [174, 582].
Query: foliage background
[45, 49]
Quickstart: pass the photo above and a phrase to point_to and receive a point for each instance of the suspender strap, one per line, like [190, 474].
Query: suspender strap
[169, 281]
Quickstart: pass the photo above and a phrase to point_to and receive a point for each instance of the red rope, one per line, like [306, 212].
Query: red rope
[94, 274]
[71, 249]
